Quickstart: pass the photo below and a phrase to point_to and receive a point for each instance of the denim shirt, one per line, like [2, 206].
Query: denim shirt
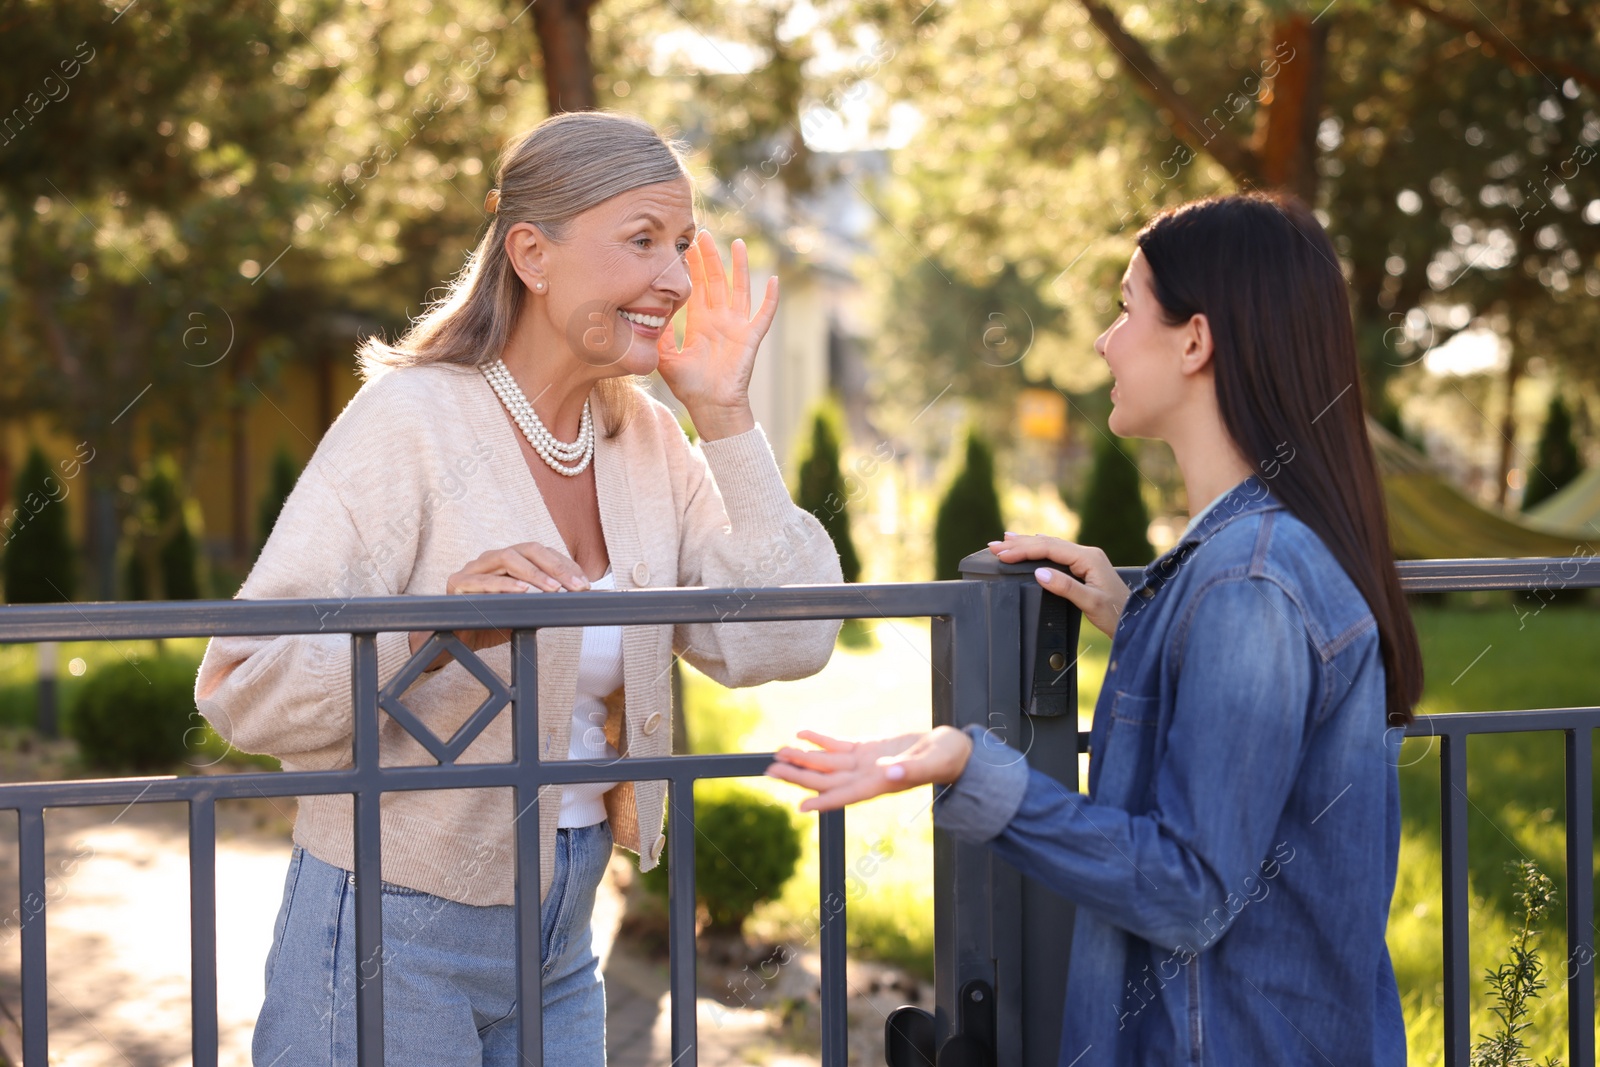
[1234, 858]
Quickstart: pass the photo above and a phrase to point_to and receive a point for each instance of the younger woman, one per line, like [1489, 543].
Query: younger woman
[1234, 857]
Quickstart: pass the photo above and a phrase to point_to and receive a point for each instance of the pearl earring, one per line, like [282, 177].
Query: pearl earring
[538, 287]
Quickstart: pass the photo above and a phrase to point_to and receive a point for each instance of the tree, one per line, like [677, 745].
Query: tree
[969, 515]
[1450, 166]
[1557, 462]
[822, 491]
[163, 535]
[280, 483]
[562, 27]
[1114, 518]
[41, 566]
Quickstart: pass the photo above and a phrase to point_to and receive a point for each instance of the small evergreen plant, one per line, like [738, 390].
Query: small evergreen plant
[969, 515]
[138, 714]
[822, 489]
[746, 849]
[163, 548]
[41, 566]
[280, 483]
[1516, 983]
[1113, 515]
[1556, 462]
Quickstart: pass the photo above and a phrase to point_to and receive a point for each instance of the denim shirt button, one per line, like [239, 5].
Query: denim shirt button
[1113, 665]
[1147, 592]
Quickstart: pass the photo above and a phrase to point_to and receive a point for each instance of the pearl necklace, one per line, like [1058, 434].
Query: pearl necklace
[570, 459]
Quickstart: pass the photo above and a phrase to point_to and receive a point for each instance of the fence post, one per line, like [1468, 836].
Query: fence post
[1030, 700]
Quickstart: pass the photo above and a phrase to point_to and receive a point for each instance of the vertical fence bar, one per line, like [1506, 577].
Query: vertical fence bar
[1580, 896]
[831, 899]
[1453, 847]
[963, 886]
[680, 921]
[35, 989]
[529, 908]
[203, 930]
[368, 854]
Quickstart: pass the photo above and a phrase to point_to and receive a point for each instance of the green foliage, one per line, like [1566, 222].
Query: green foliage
[746, 847]
[717, 718]
[280, 483]
[40, 566]
[163, 538]
[1556, 463]
[968, 337]
[1113, 511]
[137, 714]
[1517, 982]
[822, 491]
[969, 514]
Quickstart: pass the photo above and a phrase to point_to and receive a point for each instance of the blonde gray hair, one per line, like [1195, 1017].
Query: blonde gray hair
[558, 170]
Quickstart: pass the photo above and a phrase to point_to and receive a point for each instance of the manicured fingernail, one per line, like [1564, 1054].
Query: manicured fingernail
[1044, 574]
[525, 587]
[894, 772]
[1010, 534]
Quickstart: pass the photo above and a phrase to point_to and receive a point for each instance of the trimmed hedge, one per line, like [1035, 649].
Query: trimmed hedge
[137, 714]
[746, 848]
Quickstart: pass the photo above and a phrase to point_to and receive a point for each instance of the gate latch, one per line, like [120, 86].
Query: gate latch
[908, 1038]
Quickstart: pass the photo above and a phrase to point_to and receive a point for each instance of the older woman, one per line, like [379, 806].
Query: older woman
[502, 446]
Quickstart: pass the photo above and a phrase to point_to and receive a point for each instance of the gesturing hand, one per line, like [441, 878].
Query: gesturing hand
[710, 374]
[844, 772]
[1094, 585]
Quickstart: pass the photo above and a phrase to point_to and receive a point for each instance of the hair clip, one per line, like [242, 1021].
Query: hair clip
[491, 202]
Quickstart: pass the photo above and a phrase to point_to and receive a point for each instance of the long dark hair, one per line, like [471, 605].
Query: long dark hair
[1266, 276]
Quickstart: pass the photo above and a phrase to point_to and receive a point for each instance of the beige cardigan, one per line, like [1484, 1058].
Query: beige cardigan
[420, 474]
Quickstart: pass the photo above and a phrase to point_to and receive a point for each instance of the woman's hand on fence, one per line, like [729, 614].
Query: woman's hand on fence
[524, 568]
[1094, 585]
[710, 374]
[845, 772]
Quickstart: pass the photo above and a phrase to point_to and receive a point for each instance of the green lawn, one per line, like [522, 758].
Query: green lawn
[1480, 655]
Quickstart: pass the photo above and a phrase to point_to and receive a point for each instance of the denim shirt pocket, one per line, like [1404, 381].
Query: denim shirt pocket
[1128, 755]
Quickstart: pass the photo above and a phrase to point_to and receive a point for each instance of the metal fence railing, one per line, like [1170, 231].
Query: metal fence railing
[1001, 940]
[1577, 725]
[366, 780]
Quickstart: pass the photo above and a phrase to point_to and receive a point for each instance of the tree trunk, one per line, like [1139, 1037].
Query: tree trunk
[239, 448]
[1508, 419]
[1285, 139]
[562, 27]
[1282, 152]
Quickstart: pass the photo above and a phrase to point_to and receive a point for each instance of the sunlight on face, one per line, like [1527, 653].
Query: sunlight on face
[619, 276]
[1143, 353]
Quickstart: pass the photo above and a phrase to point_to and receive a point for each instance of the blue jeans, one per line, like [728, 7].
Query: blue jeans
[449, 976]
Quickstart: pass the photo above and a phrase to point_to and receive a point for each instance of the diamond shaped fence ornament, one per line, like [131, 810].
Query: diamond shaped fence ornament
[498, 696]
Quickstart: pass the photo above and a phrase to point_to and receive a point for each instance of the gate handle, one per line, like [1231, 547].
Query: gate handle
[908, 1039]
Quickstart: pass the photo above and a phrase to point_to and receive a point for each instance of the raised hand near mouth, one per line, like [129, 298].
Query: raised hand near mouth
[710, 374]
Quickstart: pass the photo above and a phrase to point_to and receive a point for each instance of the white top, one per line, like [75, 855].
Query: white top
[599, 675]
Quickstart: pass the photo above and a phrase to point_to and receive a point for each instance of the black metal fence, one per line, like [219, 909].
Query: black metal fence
[997, 660]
